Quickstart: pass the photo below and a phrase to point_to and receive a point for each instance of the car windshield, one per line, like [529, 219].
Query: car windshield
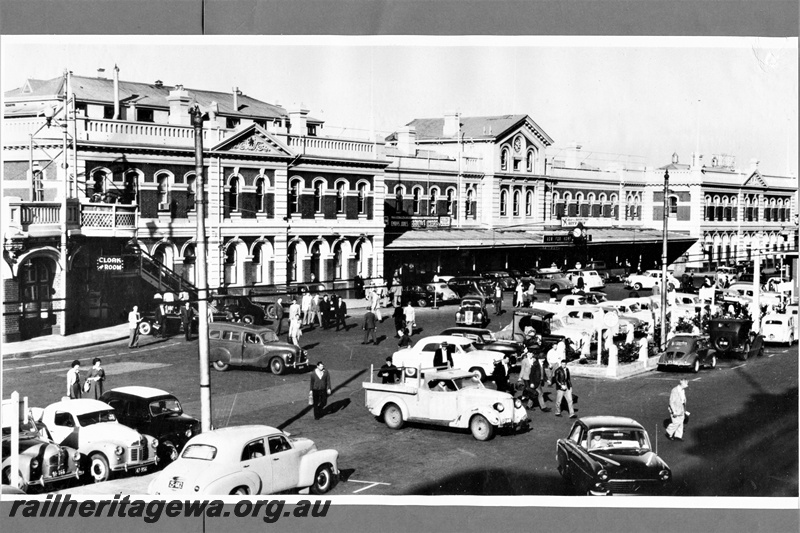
[204, 452]
[165, 406]
[269, 336]
[624, 439]
[557, 323]
[488, 337]
[472, 382]
[773, 322]
[466, 348]
[96, 418]
[678, 344]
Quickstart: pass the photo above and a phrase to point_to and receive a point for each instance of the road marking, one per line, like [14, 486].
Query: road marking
[121, 368]
[67, 361]
[465, 452]
[370, 484]
[740, 366]
[773, 355]
[697, 379]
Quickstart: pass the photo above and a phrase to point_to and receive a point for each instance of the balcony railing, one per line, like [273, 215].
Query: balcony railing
[44, 218]
[108, 216]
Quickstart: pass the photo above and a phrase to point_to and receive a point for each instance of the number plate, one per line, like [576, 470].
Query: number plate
[175, 484]
[141, 470]
[468, 317]
[59, 472]
[505, 421]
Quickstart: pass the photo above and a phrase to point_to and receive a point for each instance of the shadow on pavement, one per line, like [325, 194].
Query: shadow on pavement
[493, 482]
[286, 423]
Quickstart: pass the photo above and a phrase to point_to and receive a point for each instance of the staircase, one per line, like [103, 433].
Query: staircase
[159, 276]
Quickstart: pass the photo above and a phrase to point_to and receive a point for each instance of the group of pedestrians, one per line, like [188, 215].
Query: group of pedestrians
[313, 310]
[94, 382]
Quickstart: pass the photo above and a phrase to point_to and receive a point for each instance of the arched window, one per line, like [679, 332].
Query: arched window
[291, 262]
[572, 207]
[583, 206]
[191, 192]
[398, 199]
[319, 194]
[515, 203]
[529, 161]
[230, 264]
[233, 193]
[673, 206]
[163, 191]
[718, 214]
[559, 207]
[340, 192]
[605, 207]
[452, 204]
[130, 187]
[504, 202]
[362, 199]
[774, 204]
[98, 190]
[785, 210]
[415, 203]
[727, 212]
[709, 214]
[261, 196]
[529, 204]
[338, 262]
[595, 209]
[294, 196]
[189, 260]
[433, 207]
[504, 159]
[468, 211]
[38, 185]
[614, 201]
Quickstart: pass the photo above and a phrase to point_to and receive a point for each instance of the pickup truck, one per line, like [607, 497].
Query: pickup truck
[451, 398]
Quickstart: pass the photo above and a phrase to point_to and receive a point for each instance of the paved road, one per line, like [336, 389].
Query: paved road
[742, 440]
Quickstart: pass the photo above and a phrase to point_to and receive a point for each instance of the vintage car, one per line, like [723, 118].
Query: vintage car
[648, 280]
[592, 281]
[779, 328]
[526, 323]
[733, 336]
[154, 412]
[246, 460]
[587, 317]
[92, 427]
[484, 339]
[471, 285]
[418, 295]
[551, 280]
[503, 278]
[443, 292]
[452, 398]
[253, 346]
[768, 298]
[466, 356]
[688, 351]
[472, 312]
[149, 325]
[240, 308]
[42, 463]
[611, 455]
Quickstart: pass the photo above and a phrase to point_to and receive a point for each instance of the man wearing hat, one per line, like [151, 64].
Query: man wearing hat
[442, 357]
[538, 380]
[389, 372]
[677, 410]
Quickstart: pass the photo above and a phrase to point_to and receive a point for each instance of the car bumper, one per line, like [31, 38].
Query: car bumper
[49, 480]
[141, 466]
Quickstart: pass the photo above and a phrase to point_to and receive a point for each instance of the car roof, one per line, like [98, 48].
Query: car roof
[534, 311]
[243, 433]
[242, 327]
[449, 339]
[447, 374]
[141, 392]
[593, 422]
[79, 406]
[466, 329]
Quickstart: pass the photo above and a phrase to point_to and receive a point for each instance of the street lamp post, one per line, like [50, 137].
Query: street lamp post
[664, 284]
[202, 271]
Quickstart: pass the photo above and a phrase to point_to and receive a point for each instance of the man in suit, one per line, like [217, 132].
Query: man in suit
[325, 311]
[563, 383]
[279, 313]
[320, 389]
[389, 372]
[442, 358]
[538, 380]
[186, 320]
[161, 319]
[341, 314]
[370, 323]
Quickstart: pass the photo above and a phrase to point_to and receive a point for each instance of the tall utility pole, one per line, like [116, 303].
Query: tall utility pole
[202, 272]
[63, 248]
[664, 283]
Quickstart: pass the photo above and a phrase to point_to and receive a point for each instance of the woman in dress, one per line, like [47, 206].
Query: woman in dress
[96, 377]
[74, 380]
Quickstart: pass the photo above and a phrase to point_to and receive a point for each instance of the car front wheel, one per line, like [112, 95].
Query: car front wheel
[240, 491]
[481, 428]
[98, 468]
[637, 286]
[323, 480]
[696, 366]
[478, 373]
[422, 302]
[713, 362]
[220, 366]
[393, 416]
[248, 319]
[277, 366]
[145, 328]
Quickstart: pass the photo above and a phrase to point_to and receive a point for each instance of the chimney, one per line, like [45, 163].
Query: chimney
[407, 140]
[101, 73]
[573, 155]
[116, 93]
[452, 124]
[179, 101]
[236, 93]
[297, 120]
[754, 164]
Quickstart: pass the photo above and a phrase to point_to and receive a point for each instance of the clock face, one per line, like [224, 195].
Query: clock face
[577, 233]
[517, 144]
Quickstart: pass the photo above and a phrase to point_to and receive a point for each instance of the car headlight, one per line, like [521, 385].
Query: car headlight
[665, 475]
[499, 407]
[517, 403]
[188, 433]
[154, 444]
[289, 358]
[480, 315]
[35, 463]
[602, 475]
[76, 456]
[119, 450]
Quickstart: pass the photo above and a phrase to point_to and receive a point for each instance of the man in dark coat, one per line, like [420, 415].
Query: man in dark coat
[341, 314]
[370, 323]
[186, 320]
[500, 374]
[399, 321]
[161, 318]
[279, 312]
[325, 310]
[320, 389]
[442, 356]
[538, 381]
[563, 384]
[389, 372]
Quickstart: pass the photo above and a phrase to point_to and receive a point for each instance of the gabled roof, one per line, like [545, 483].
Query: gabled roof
[754, 180]
[477, 128]
[253, 139]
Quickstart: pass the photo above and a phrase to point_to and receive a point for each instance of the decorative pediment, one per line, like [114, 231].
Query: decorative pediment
[254, 139]
[755, 180]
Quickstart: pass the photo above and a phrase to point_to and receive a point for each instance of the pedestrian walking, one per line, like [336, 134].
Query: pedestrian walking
[500, 374]
[538, 380]
[341, 314]
[585, 345]
[316, 316]
[498, 299]
[133, 327]
[370, 323]
[95, 379]
[411, 318]
[295, 331]
[161, 318]
[525, 366]
[677, 410]
[186, 320]
[531, 293]
[374, 304]
[305, 308]
[399, 321]
[580, 284]
[520, 295]
[325, 312]
[74, 390]
[279, 314]
[320, 390]
[563, 383]
[294, 310]
[388, 372]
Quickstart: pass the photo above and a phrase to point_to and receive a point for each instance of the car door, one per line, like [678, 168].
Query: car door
[442, 403]
[581, 473]
[233, 341]
[65, 429]
[252, 348]
[285, 463]
[255, 460]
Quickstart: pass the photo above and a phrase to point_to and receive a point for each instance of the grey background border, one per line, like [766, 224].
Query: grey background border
[764, 18]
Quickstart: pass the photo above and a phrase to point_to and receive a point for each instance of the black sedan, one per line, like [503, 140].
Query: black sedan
[610, 455]
[154, 412]
[689, 352]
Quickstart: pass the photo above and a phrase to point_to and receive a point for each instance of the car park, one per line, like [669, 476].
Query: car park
[92, 428]
[452, 398]
[591, 279]
[733, 336]
[648, 280]
[484, 339]
[779, 328]
[472, 312]
[687, 351]
[466, 356]
[611, 455]
[43, 464]
[551, 280]
[245, 345]
[244, 460]
[154, 412]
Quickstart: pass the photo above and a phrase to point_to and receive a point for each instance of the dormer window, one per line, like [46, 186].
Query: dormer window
[232, 122]
[312, 130]
[144, 115]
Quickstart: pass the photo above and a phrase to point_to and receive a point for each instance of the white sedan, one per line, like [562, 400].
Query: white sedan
[779, 328]
[463, 351]
[246, 460]
[648, 280]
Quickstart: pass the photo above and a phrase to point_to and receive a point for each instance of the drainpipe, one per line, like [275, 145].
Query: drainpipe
[116, 92]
